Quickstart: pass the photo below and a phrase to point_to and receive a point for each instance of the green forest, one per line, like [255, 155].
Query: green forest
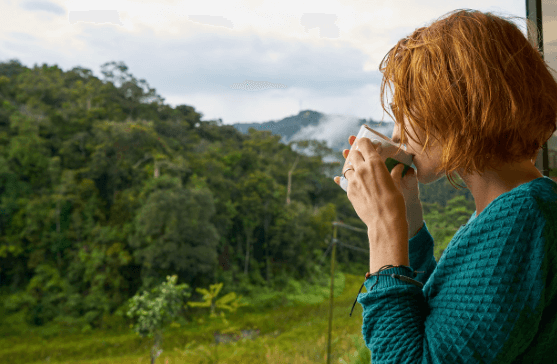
[105, 191]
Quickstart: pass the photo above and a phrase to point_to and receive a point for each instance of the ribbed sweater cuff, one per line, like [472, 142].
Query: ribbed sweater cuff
[389, 281]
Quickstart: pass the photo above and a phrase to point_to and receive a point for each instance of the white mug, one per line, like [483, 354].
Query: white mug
[388, 151]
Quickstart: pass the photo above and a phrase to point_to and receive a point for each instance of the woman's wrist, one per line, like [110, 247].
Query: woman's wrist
[415, 218]
[414, 230]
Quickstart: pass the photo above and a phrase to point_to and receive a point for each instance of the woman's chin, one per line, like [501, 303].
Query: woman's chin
[419, 176]
[423, 178]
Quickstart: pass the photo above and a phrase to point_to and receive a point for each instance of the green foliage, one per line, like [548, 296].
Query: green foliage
[173, 231]
[444, 222]
[362, 355]
[28, 157]
[104, 190]
[228, 302]
[154, 310]
[298, 336]
[293, 224]
[42, 299]
[303, 293]
[441, 191]
[321, 222]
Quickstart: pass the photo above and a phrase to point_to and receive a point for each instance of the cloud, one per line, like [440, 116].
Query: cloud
[95, 16]
[218, 21]
[328, 129]
[327, 57]
[248, 85]
[325, 23]
[23, 36]
[43, 6]
[219, 63]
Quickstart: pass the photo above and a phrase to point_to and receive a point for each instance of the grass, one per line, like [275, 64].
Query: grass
[295, 334]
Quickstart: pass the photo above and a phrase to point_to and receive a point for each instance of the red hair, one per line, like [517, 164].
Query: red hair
[475, 83]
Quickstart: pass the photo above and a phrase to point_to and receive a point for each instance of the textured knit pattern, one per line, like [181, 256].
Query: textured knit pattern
[491, 298]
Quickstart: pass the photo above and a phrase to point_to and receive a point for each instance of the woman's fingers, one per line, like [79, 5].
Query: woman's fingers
[351, 140]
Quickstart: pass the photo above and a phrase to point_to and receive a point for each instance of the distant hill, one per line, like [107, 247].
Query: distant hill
[286, 127]
[308, 124]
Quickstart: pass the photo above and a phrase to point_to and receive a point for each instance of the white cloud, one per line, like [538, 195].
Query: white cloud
[325, 53]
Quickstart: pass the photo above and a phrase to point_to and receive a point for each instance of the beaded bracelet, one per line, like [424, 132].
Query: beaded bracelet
[397, 276]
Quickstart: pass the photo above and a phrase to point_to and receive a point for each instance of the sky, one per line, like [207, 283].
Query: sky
[239, 61]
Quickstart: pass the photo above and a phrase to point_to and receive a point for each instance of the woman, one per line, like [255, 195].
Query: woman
[474, 83]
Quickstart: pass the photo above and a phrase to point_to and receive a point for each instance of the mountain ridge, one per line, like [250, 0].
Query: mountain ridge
[334, 130]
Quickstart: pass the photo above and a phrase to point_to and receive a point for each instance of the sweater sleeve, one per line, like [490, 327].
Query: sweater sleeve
[420, 249]
[481, 303]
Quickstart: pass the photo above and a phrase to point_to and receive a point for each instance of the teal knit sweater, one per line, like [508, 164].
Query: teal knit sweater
[491, 298]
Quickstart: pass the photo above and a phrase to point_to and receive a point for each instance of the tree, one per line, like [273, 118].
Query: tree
[257, 190]
[229, 302]
[27, 153]
[173, 229]
[12, 68]
[42, 86]
[62, 188]
[153, 311]
[133, 92]
[43, 297]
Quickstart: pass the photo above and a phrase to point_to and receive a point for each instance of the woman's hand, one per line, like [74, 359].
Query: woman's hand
[410, 191]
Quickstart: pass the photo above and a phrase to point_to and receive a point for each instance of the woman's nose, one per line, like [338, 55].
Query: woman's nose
[396, 135]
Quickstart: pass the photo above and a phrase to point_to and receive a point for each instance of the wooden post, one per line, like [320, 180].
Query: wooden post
[332, 293]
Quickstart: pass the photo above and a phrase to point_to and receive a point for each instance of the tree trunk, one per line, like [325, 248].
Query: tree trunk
[239, 244]
[154, 352]
[267, 266]
[58, 217]
[58, 256]
[156, 173]
[247, 251]
[290, 180]
[82, 147]
[266, 227]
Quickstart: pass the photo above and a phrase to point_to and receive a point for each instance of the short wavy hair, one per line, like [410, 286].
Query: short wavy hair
[473, 80]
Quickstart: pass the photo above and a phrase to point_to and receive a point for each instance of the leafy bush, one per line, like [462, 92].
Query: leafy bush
[154, 310]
